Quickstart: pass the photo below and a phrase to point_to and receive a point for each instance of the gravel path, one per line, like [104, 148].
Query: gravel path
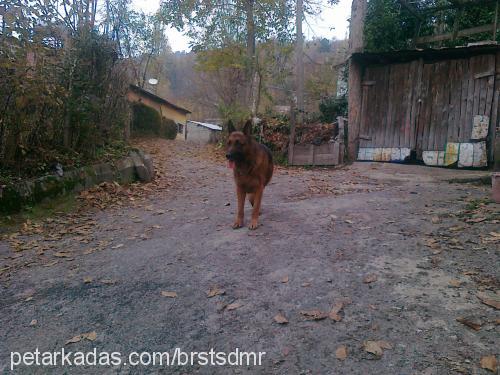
[397, 251]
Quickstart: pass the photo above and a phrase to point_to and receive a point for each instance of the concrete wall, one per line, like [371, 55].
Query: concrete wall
[138, 166]
[164, 110]
[200, 134]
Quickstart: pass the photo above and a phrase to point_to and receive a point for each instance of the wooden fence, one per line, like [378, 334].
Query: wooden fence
[331, 153]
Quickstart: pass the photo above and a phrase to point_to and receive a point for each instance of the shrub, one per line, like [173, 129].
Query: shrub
[169, 128]
[145, 120]
[331, 107]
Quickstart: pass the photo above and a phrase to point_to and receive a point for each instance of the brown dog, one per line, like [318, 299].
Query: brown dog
[253, 168]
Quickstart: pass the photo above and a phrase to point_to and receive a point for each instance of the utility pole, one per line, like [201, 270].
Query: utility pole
[297, 118]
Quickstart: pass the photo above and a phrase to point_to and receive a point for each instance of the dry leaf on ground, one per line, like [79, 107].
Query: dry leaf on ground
[215, 291]
[376, 347]
[341, 352]
[234, 306]
[168, 294]
[91, 336]
[280, 319]
[284, 280]
[334, 312]
[469, 322]
[489, 363]
[87, 280]
[490, 299]
[455, 283]
[314, 314]
[370, 279]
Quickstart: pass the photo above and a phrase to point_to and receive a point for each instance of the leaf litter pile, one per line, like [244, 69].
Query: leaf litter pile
[62, 238]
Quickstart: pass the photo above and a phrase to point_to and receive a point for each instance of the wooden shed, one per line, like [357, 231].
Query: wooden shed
[440, 106]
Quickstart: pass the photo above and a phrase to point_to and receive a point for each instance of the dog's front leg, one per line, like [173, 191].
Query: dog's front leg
[256, 208]
[238, 223]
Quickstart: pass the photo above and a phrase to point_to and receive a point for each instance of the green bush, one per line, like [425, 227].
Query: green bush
[332, 107]
[169, 128]
[145, 120]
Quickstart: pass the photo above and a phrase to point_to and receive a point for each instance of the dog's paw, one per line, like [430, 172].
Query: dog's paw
[237, 224]
[253, 225]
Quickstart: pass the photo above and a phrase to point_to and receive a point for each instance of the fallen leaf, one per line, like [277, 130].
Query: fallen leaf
[61, 254]
[475, 220]
[50, 264]
[87, 280]
[120, 245]
[215, 291]
[455, 283]
[306, 285]
[108, 281]
[33, 323]
[341, 352]
[280, 319]
[376, 347]
[165, 293]
[489, 299]
[284, 280]
[435, 220]
[475, 325]
[370, 279]
[91, 336]
[72, 340]
[314, 314]
[334, 312]
[489, 363]
[233, 306]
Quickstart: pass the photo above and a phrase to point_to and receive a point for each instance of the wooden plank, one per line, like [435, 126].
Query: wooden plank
[461, 33]
[440, 143]
[435, 109]
[477, 88]
[416, 106]
[365, 104]
[454, 106]
[386, 131]
[463, 98]
[381, 104]
[409, 88]
[466, 131]
[486, 74]
[425, 106]
[368, 83]
[490, 85]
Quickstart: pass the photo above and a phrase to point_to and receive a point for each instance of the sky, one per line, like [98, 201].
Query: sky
[330, 23]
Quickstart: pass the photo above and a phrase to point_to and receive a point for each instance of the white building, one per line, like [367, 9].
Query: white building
[202, 132]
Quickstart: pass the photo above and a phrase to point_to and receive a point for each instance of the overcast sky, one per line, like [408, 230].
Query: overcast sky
[332, 22]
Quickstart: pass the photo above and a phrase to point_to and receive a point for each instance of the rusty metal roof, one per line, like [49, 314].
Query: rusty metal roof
[427, 54]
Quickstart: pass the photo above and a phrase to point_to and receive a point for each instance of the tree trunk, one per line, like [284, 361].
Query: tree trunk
[252, 77]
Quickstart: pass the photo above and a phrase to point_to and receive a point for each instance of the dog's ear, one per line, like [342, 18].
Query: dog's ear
[230, 127]
[247, 129]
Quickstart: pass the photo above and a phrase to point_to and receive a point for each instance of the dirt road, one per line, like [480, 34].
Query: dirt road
[398, 250]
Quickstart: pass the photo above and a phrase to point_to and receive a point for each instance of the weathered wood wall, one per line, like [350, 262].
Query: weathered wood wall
[422, 105]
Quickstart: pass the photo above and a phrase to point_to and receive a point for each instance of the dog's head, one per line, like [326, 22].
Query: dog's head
[238, 143]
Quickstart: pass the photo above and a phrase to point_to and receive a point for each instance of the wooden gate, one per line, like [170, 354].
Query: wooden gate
[429, 109]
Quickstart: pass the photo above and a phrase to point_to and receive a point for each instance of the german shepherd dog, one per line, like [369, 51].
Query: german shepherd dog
[252, 164]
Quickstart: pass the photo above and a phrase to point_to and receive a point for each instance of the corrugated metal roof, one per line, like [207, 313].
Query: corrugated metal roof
[206, 125]
[427, 54]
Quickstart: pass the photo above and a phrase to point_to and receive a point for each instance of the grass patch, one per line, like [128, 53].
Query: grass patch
[52, 207]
